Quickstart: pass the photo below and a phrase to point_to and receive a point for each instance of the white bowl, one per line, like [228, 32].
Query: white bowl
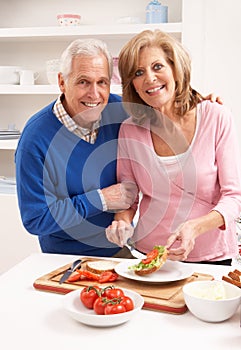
[74, 307]
[10, 74]
[212, 301]
[66, 19]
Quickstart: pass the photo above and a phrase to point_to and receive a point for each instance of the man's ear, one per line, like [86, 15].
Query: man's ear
[61, 82]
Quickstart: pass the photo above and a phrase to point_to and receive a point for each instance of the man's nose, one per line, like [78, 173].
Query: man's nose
[93, 90]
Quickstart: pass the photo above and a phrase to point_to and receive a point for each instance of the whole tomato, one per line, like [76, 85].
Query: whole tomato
[99, 305]
[127, 302]
[88, 295]
[111, 308]
[111, 292]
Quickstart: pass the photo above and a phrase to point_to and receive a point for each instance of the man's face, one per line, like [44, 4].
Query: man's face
[87, 89]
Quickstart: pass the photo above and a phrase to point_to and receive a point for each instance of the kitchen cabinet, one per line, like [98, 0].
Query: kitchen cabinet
[29, 36]
[33, 36]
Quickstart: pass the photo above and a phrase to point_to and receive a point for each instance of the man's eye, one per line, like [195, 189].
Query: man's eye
[103, 82]
[138, 73]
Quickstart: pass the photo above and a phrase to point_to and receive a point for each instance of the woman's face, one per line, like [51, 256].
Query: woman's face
[154, 80]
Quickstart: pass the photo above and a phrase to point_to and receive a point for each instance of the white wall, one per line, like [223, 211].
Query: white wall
[215, 46]
[15, 242]
[222, 65]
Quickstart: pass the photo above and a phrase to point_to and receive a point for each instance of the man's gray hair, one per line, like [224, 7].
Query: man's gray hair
[87, 47]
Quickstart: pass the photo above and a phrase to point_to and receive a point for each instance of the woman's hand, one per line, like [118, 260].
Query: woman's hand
[185, 234]
[119, 232]
[214, 98]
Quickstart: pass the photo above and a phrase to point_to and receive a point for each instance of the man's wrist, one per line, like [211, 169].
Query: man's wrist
[104, 205]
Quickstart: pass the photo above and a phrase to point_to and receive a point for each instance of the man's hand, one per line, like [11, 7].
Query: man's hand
[120, 196]
[119, 232]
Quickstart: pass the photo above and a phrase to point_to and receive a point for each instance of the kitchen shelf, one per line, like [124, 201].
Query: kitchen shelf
[9, 144]
[40, 89]
[30, 41]
[29, 89]
[55, 33]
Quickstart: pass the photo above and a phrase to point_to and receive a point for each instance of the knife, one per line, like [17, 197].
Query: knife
[136, 253]
[72, 268]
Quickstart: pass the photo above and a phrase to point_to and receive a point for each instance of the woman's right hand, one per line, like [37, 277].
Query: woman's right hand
[119, 232]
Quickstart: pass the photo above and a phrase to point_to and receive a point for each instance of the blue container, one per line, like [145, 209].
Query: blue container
[156, 13]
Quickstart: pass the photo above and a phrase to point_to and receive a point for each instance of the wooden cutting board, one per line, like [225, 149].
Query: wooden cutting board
[165, 297]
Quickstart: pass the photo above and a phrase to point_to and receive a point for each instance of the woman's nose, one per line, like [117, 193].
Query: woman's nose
[150, 76]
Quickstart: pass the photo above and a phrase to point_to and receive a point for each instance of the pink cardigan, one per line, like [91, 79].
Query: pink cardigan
[174, 189]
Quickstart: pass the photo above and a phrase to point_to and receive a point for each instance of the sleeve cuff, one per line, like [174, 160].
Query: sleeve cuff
[102, 200]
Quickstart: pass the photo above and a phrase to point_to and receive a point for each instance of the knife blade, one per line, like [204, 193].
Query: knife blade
[68, 272]
[136, 253]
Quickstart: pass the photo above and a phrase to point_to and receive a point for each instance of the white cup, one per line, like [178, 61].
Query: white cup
[28, 77]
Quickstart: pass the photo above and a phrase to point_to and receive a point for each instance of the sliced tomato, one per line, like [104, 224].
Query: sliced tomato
[114, 277]
[91, 276]
[88, 275]
[74, 277]
[105, 276]
[150, 256]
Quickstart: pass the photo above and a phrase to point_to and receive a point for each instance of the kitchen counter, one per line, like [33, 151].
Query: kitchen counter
[33, 319]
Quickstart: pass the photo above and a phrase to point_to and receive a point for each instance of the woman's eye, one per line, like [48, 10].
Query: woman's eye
[138, 73]
[158, 66]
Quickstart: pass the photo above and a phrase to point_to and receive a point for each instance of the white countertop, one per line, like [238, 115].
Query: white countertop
[32, 319]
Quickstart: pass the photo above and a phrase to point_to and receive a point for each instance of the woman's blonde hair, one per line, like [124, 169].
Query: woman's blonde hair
[185, 97]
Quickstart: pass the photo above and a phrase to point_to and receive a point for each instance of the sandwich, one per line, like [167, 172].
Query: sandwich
[154, 260]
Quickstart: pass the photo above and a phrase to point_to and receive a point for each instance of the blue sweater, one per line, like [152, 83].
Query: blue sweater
[58, 176]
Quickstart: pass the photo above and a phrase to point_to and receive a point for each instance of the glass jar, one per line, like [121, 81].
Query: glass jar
[156, 13]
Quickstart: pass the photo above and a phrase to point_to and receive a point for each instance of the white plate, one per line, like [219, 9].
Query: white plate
[74, 307]
[171, 271]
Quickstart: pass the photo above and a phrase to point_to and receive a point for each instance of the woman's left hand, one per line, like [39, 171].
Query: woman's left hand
[185, 234]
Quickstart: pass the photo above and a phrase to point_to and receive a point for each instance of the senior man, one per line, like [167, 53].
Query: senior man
[66, 158]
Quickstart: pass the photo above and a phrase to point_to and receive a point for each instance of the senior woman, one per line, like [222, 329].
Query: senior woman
[182, 153]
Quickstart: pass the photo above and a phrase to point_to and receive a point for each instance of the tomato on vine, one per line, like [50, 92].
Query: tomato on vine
[88, 295]
[111, 309]
[112, 292]
[100, 305]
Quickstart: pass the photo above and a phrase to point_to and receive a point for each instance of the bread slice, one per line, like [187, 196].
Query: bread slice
[99, 266]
